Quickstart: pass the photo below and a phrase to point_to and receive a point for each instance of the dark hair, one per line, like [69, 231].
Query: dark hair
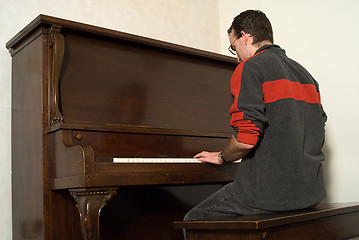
[255, 23]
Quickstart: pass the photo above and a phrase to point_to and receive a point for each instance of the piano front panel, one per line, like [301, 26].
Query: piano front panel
[123, 98]
[127, 83]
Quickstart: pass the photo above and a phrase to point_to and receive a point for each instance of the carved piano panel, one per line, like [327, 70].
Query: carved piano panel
[84, 96]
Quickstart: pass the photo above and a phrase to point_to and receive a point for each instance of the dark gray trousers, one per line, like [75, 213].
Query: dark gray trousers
[224, 202]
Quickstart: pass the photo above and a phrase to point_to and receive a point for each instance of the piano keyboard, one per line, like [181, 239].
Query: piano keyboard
[156, 160]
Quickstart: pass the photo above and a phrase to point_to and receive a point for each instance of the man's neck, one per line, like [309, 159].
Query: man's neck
[257, 46]
[261, 44]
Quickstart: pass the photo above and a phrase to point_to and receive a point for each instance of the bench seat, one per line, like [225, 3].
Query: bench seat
[328, 221]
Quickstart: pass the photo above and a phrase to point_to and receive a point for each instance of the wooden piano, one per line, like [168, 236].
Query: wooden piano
[100, 114]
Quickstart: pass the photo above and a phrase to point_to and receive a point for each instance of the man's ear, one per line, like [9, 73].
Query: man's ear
[247, 38]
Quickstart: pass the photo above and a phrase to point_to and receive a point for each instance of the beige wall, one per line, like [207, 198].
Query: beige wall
[321, 35]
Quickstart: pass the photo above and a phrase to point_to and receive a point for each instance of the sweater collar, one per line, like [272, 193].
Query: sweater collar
[269, 46]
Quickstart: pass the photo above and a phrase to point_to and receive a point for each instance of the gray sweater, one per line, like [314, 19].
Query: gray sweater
[277, 108]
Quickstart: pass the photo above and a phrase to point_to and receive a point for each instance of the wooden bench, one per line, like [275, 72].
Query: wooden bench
[326, 221]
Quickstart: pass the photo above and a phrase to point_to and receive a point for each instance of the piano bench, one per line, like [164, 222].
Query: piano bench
[327, 221]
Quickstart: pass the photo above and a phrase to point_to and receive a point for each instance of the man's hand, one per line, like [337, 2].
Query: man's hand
[233, 151]
[209, 157]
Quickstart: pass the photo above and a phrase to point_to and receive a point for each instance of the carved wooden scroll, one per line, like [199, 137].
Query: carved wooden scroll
[90, 202]
[56, 55]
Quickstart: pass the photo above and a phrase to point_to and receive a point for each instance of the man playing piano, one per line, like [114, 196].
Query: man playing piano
[278, 124]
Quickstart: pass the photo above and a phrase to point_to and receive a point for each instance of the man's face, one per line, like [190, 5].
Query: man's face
[233, 41]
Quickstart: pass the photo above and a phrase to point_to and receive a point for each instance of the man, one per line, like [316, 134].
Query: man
[278, 124]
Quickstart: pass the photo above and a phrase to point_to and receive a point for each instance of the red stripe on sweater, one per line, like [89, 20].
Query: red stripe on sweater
[284, 89]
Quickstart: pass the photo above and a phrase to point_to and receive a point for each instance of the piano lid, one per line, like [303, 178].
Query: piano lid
[48, 21]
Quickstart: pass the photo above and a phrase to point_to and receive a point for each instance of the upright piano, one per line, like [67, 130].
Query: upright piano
[105, 117]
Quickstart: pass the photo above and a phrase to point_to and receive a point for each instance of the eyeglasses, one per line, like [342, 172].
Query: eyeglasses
[231, 48]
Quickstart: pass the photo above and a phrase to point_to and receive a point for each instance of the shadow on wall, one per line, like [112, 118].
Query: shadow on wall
[327, 166]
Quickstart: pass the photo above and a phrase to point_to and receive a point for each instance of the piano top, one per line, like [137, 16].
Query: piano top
[47, 21]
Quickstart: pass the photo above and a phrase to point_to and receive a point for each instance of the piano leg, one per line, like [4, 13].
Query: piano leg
[89, 203]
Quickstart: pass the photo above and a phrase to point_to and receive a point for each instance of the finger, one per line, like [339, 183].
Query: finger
[199, 155]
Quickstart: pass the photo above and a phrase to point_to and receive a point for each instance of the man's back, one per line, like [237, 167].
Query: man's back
[283, 172]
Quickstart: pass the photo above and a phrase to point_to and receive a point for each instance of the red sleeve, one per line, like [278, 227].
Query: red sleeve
[247, 111]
